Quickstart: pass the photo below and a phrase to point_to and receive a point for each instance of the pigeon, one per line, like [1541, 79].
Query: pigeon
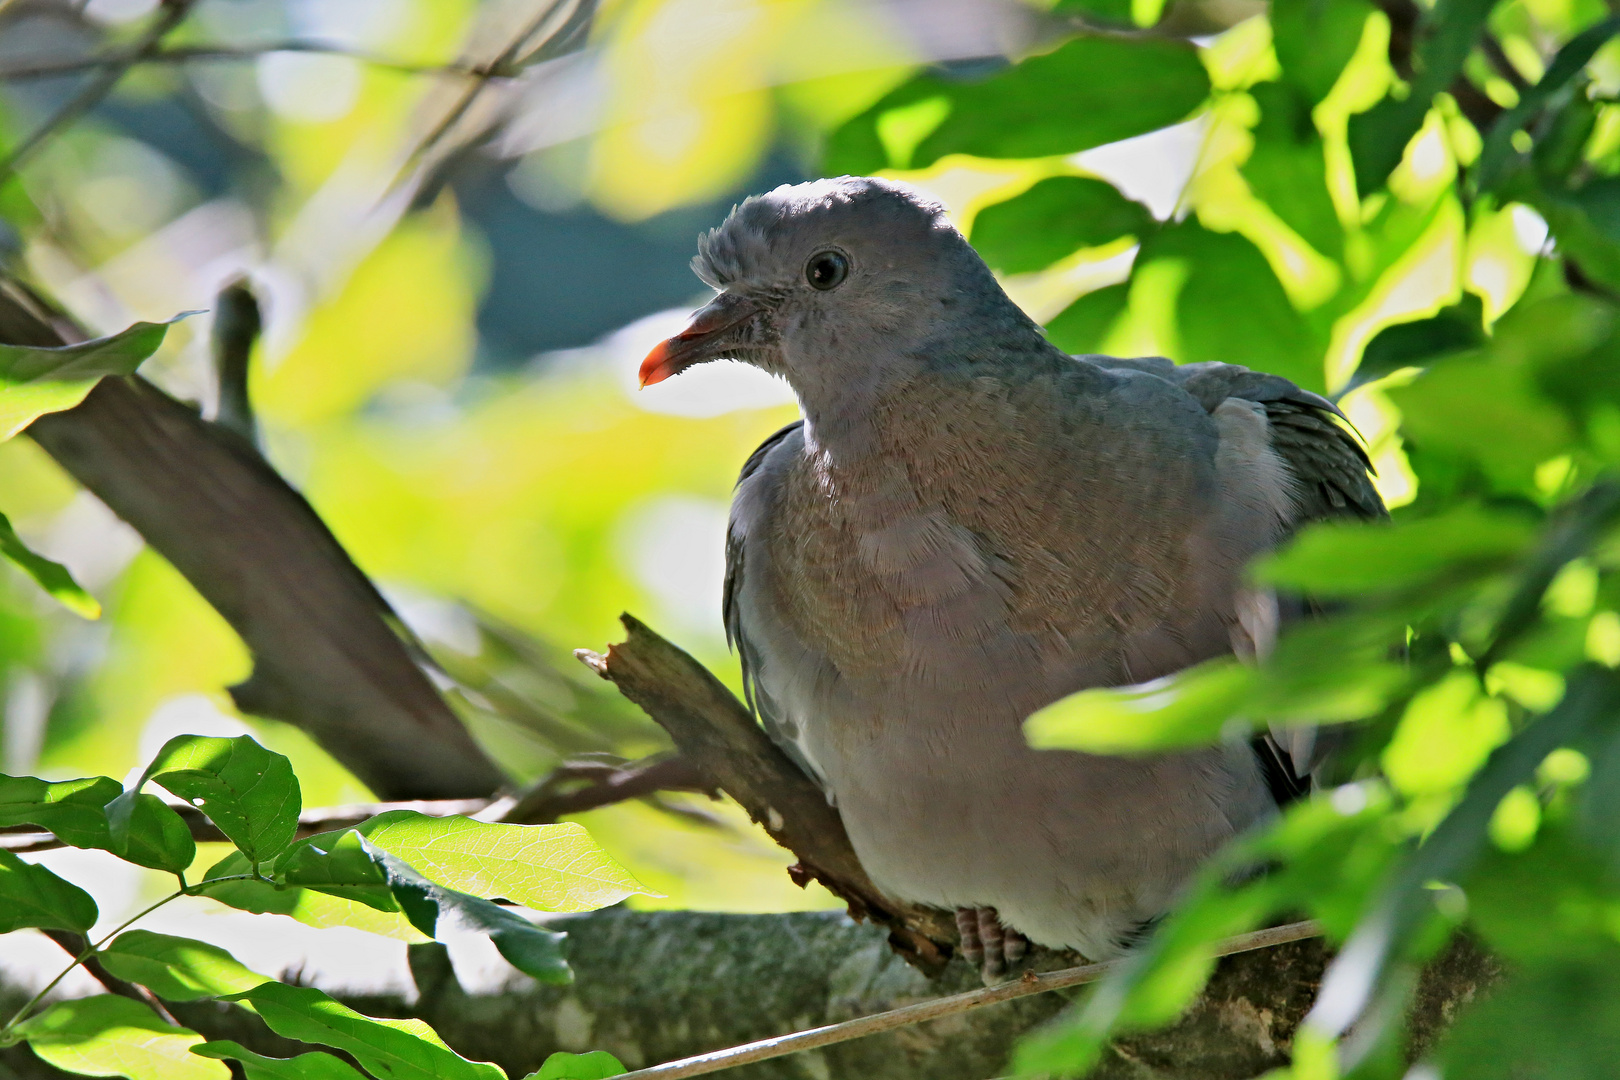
[969, 524]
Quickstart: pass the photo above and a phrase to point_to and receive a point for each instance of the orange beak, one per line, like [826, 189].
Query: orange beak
[706, 337]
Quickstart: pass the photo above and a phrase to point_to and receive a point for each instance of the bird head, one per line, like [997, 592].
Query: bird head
[818, 276]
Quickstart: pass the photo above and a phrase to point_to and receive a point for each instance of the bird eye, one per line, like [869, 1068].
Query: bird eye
[826, 270]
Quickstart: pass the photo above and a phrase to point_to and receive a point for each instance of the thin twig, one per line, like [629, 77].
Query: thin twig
[172, 15]
[500, 66]
[1031, 983]
[184, 54]
[553, 797]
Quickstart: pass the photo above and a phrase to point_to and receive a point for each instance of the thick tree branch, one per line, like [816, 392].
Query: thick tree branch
[325, 657]
[718, 735]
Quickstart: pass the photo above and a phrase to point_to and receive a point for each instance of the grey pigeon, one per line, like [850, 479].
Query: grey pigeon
[969, 524]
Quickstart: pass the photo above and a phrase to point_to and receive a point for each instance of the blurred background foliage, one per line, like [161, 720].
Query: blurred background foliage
[468, 221]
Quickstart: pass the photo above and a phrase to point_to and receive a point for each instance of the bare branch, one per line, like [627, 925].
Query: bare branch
[718, 735]
[558, 795]
[325, 656]
[860, 1027]
[171, 14]
[185, 54]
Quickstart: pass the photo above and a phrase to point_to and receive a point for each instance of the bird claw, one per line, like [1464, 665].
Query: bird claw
[988, 945]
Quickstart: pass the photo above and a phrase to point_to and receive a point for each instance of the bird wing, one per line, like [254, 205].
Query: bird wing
[1332, 476]
[744, 512]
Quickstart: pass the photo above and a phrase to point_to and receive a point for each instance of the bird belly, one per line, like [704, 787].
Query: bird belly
[1074, 850]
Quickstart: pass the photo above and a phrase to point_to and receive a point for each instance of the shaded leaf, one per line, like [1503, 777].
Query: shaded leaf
[177, 968]
[246, 790]
[1232, 308]
[1552, 1021]
[1083, 326]
[1315, 39]
[1287, 169]
[53, 577]
[147, 831]
[339, 864]
[396, 1049]
[116, 1036]
[311, 1066]
[35, 381]
[1458, 328]
[1054, 219]
[32, 896]
[72, 809]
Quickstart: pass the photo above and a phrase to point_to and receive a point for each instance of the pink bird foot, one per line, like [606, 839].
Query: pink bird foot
[988, 945]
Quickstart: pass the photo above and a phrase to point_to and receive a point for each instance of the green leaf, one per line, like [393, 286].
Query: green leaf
[1558, 1019]
[1287, 168]
[1378, 137]
[35, 381]
[1175, 711]
[1083, 326]
[1315, 39]
[1570, 62]
[544, 867]
[347, 864]
[115, 1036]
[1046, 105]
[51, 576]
[177, 968]
[396, 1049]
[312, 1066]
[1054, 219]
[596, 1065]
[308, 906]
[72, 809]
[32, 896]
[147, 831]
[338, 864]
[1458, 328]
[248, 791]
[1232, 308]
[532, 950]
[1350, 558]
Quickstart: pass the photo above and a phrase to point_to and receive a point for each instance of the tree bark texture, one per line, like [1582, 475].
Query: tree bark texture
[656, 986]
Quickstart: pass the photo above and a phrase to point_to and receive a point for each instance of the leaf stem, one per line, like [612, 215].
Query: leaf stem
[6, 1036]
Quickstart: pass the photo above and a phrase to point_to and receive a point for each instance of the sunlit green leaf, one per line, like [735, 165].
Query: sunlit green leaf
[1054, 219]
[51, 576]
[545, 867]
[72, 809]
[177, 968]
[35, 381]
[1049, 104]
[1348, 558]
[115, 1036]
[1288, 167]
[33, 896]
[308, 906]
[1458, 328]
[311, 1066]
[1175, 711]
[1446, 734]
[398, 1049]
[248, 791]
[596, 1065]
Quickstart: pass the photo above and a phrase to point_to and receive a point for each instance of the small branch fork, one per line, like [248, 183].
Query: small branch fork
[1031, 983]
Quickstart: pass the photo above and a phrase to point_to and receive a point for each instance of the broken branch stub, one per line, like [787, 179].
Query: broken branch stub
[717, 733]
